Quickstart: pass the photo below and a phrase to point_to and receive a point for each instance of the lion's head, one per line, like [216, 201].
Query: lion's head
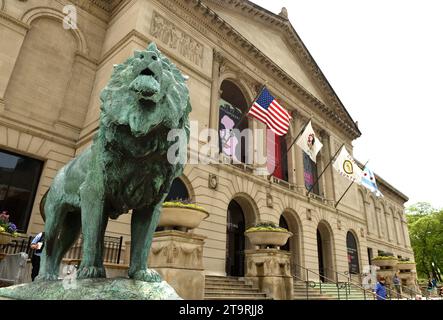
[146, 92]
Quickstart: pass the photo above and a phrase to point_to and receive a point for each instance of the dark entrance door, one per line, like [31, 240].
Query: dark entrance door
[353, 262]
[235, 240]
[321, 265]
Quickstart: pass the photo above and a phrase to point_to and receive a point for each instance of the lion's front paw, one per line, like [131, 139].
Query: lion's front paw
[46, 277]
[85, 272]
[147, 275]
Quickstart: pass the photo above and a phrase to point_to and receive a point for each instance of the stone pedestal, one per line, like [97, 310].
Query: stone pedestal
[178, 257]
[270, 270]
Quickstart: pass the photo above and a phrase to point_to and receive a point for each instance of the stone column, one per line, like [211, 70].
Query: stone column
[291, 154]
[12, 32]
[270, 270]
[178, 257]
[328, 175]
[215, 90]
[298, 155]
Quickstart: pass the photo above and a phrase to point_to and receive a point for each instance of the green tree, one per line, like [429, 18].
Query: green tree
[425, 225]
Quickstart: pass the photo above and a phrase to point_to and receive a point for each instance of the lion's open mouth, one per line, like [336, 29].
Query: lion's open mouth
[147, 72]
[146, 85]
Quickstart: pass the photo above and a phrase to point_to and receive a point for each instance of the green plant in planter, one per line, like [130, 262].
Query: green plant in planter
[266, 226]
[405, 262]
[385, 258]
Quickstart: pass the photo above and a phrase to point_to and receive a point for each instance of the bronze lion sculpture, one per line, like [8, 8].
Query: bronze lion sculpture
[125, 168]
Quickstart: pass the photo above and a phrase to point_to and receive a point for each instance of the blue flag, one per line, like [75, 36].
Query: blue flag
[368, 181]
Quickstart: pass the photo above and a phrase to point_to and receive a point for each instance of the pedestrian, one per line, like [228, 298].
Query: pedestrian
[380, 289]
[397, 285]
[37, 245]
[430, 286]
[434, 285]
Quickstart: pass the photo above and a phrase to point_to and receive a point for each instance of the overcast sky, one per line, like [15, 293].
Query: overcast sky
[384, 59]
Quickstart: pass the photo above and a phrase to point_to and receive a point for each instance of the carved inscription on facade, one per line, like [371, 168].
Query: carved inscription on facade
[177, 39]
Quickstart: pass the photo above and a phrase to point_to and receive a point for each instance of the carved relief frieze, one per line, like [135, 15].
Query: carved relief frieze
[176, 39]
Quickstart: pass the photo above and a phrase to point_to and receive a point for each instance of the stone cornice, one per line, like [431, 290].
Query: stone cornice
[339, 113]
[15, 21]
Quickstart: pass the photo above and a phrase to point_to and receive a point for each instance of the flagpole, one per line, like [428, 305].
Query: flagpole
[336, 204]
[293, 142]
[324, 170]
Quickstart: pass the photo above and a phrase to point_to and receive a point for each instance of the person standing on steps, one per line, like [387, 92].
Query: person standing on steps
[37, 245]
[380, 289]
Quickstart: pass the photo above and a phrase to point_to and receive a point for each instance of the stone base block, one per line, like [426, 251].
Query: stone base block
[189, 284]
[91, 289]
[279, 288]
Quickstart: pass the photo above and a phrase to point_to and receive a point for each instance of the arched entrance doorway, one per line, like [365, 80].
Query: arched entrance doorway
[235, 240]
[290, 221]
[352, 248]
[325, 252]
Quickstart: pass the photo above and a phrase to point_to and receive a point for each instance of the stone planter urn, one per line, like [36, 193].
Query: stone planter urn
[182, 216]
[5, 237]
[385, 263]
[406, 266]
[268, 238]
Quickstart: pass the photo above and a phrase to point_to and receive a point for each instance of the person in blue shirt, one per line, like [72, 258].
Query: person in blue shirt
[37, 245]
[380, 289]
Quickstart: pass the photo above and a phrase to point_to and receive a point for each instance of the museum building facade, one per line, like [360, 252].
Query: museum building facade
[51, 78]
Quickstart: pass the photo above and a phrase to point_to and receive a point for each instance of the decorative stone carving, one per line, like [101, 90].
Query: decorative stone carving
[176, 39]
[269, 200]
[309, 214]
[213, 181]
[178, 257]
[339, 224]
[270, 270]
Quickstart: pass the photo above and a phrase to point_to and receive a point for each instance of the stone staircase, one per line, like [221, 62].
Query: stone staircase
[231, 288]
[328, 292]
[312, 293]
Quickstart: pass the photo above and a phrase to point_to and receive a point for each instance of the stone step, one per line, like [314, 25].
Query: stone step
[236, 298]
[246, 289]
[238, 294]
[219, 283]
[215, 285]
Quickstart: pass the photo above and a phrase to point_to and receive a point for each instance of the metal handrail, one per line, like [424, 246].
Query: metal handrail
[348, 283]
[339, 285]
[351, 282]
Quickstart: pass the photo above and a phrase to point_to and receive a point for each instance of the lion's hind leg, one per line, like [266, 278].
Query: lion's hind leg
[55, 225]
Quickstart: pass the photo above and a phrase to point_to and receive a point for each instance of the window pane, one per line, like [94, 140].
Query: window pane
[19, 177]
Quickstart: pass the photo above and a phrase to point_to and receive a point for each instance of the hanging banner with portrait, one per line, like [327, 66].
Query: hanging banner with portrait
[229, 117]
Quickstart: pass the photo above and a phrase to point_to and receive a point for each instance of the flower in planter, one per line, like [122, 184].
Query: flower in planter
[183, 203]
[266, 226]
[6, 226]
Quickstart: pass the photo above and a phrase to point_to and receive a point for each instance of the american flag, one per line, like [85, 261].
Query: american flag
[267, 110]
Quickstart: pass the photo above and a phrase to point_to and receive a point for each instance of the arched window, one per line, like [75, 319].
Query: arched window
[233, 108]
[178, 191]
[353, 262]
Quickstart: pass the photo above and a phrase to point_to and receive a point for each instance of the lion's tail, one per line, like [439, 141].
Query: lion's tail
[42, 205]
